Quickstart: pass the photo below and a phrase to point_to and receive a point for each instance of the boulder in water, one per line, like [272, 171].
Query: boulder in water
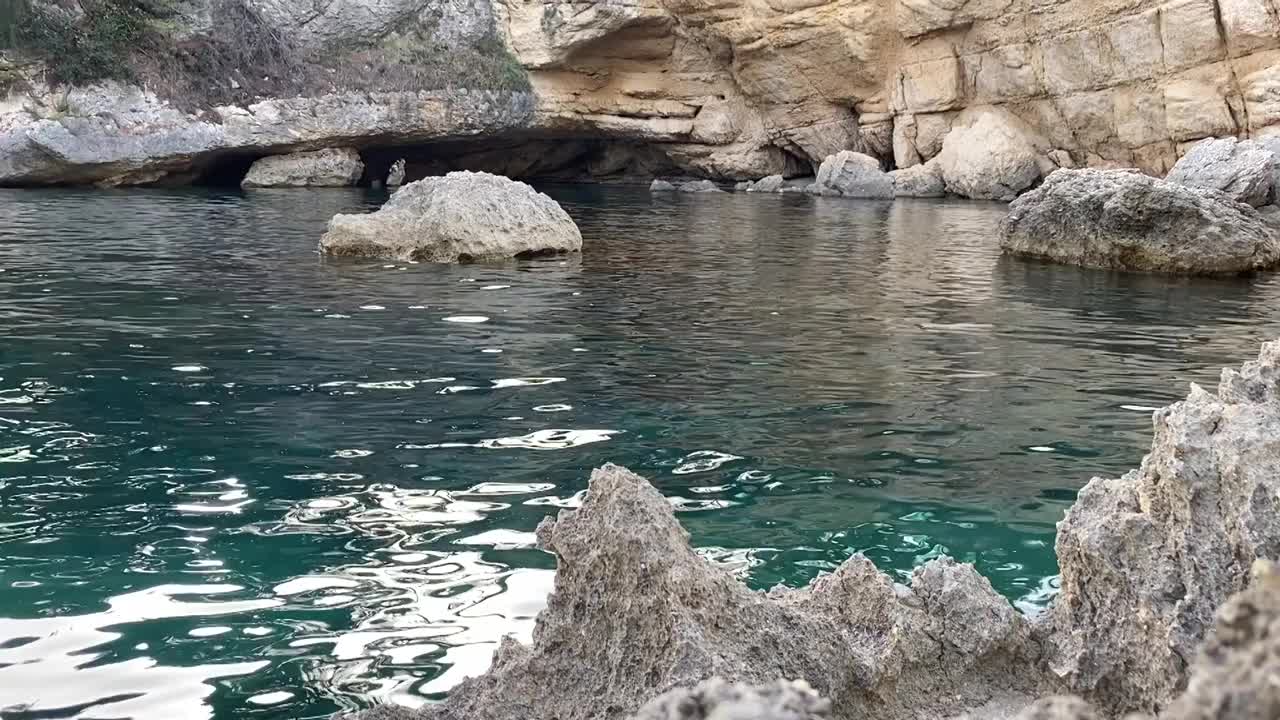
[1243, 170]
[770, 184]
[331, 167]
[851, 174]
[919, 181]
[460, 217]
[699, 186]
[1125, 220]
[661, 186]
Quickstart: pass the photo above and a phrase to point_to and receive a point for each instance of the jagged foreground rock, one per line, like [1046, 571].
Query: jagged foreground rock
[461, 217]
[1125, 220]
[1146, 560]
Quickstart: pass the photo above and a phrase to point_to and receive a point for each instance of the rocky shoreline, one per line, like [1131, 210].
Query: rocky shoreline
[1168, 606]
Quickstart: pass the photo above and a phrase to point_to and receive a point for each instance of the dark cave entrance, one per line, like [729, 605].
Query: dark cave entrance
[532, 158]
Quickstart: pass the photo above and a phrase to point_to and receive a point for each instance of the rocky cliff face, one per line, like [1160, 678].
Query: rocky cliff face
[720, 88]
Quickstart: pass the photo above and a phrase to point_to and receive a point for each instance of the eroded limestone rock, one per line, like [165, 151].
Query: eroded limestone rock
[1148, 558]
[990, 155]
[395, 176]
[1128, 221]
[636, 612]
[851, 174]
[698, 186]
[1243, 170]
[919, 181]
[770, 184]
[460, 217]
[330, 167]
[661, 186]
[716, 699]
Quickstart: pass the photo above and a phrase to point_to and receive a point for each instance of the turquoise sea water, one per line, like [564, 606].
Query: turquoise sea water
[239, 481]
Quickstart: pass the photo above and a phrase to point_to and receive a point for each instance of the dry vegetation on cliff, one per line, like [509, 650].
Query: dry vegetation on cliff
[241, 57]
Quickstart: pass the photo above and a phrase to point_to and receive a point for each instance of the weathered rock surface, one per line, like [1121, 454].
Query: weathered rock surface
[331, 167]
[919, 181]
[990, 155]
[698, 186]
[1145, 560]
[460, 217]
[661, 186]
[716, 699]
[851, 174]
[1148, 558]
[770, 184]
[1243, 170]
[1129, 221]
[641, 613]
[1234, 677]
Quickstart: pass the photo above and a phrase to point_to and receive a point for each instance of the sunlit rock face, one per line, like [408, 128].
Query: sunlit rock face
[724, 89]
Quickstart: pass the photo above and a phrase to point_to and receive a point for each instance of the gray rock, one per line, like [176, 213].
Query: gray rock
[852, 174]
[330, 167]
[742, 186]
[1128, 221]
[1147, 558]
[661, 186]
[1243, 170]
[1235, 676]
[919, 181]
[395, 176]
[636, 613]
[699, 186]
[1059, 707]
[460, 217]
[770, 184]
[717, 699]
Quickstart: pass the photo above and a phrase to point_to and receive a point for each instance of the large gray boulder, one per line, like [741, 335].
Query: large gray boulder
[1148, 558]
[769, 184]
[699, 186]
[460, 217]
[1128, 221]
[852, 174]
[1243, 170]
[331, 167]
[919, 181]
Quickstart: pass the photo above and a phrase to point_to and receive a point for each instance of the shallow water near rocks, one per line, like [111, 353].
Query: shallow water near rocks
[239, 481]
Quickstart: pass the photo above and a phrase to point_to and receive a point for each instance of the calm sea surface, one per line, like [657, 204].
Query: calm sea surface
[239, 481]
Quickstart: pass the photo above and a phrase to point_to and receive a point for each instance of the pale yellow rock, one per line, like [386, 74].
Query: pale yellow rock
[1196, 104]
[1258, 76]
[1249, 25]
[1190, 34]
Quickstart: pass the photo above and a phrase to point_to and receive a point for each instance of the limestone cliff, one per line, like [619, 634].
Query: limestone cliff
[718, 88]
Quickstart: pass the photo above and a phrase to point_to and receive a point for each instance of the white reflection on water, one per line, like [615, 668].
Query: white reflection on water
[42, 648]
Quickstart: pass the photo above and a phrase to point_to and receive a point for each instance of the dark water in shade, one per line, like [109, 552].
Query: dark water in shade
[237, 481]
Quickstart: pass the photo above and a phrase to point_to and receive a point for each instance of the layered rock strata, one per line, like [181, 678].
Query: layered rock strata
[726, 89]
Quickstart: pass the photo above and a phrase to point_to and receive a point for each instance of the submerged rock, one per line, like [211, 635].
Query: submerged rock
[1243, 170]
[330, 167]
[1128, 221]
[1147, 558]
[716, 699]
[851, 174]
[460, 217]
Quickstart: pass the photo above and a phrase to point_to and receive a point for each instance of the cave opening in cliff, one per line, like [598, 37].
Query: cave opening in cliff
[225, 170]
[565, 159]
